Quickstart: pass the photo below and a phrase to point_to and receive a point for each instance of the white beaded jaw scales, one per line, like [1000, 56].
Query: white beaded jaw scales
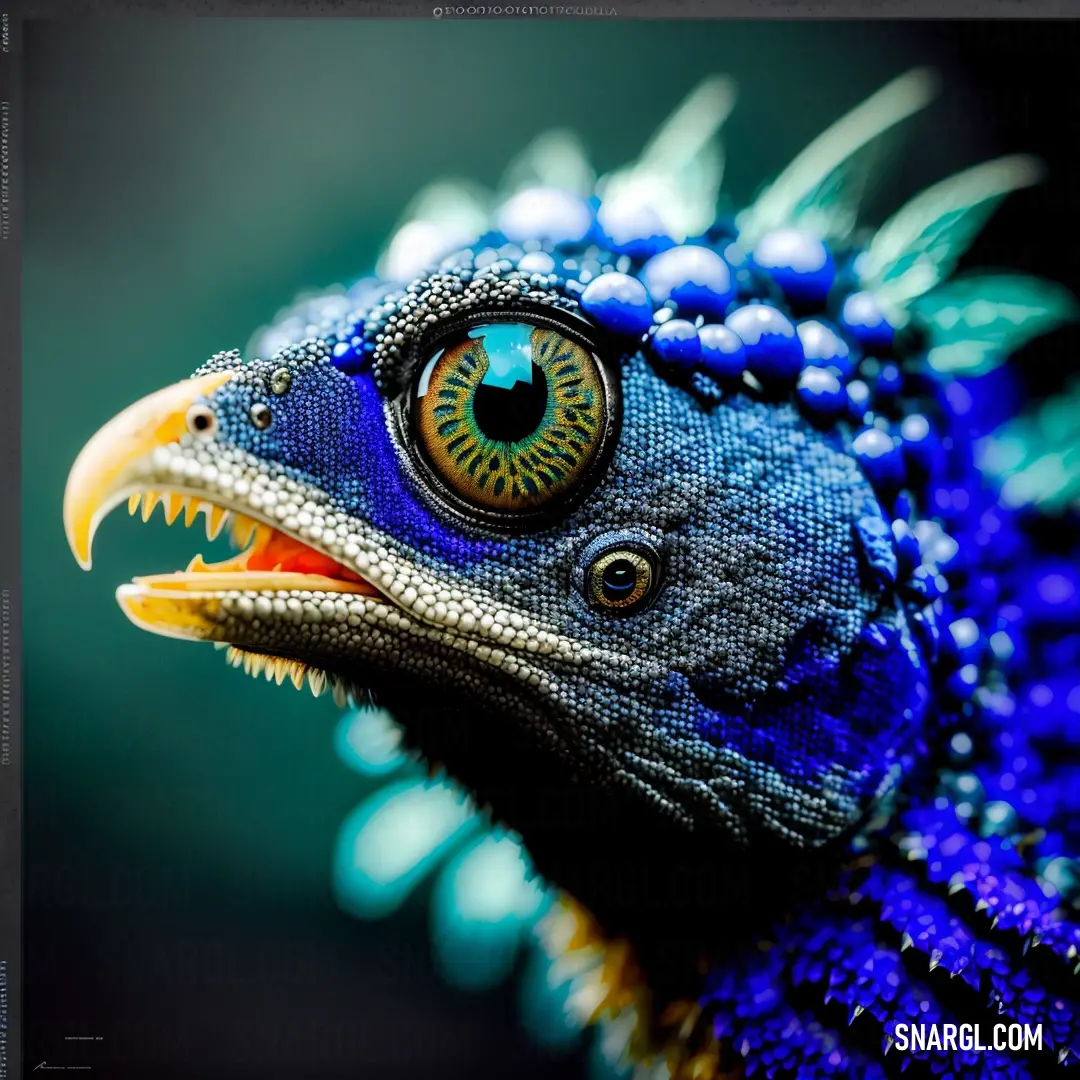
[413, 602]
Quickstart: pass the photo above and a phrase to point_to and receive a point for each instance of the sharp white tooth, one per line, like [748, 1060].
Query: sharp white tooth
[243, 528]
[133, 503]
[341, 695]
[296, 674]
[150, 500]
[191, 509]
[281, 670]
[215, 520]
[219, 645]
[316, 681]
[234, 656]
[173, 505]
[196, 566]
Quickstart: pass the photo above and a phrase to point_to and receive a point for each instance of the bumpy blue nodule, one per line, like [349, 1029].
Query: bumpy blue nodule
[799, 262]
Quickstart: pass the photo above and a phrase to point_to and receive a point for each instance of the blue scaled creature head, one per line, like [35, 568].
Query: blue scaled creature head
[641, 484]
[682, 582]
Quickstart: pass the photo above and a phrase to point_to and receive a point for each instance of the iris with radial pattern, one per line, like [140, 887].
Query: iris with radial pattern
[510, 415]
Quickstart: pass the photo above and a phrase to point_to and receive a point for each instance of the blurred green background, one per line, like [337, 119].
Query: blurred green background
[184, 179]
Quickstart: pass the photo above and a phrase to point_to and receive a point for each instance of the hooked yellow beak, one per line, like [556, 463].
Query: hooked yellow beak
[118, 463]
[106, 471]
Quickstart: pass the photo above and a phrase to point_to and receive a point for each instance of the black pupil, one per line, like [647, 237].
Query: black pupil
[618, 579]
[511, 415]
[202, 421]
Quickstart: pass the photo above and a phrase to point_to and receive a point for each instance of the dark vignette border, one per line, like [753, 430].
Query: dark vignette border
[597, 9]
[10, 561]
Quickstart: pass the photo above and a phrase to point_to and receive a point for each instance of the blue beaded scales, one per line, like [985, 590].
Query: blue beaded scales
[774, 352]
[694, 278]
[618, 303]
[799, 262]
[676, 343]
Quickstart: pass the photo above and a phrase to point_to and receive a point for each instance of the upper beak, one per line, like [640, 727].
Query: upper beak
[108, 468]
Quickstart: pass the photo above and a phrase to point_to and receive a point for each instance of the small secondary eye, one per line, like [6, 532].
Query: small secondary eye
[620, 580]
[202, 421]
[261, 415]
[512, 416]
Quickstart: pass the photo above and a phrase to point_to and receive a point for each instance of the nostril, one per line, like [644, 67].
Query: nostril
[201, 420]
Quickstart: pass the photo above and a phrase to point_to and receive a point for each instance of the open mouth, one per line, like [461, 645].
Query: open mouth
[268, 564]
[287, 596]
[270, 568]
[267, 561]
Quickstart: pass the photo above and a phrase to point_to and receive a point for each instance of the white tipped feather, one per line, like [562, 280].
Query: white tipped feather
[443, 217]
[821, 188]
[555, 159]
[921, 243]
[686, 133]
[679, 172]
[1035, 457]
[977, 320]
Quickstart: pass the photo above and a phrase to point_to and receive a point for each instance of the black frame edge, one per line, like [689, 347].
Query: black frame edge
[11, 743]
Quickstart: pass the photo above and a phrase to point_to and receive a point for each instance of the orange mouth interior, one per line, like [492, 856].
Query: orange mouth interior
[277, 552]
[265, 553]
[184, 604]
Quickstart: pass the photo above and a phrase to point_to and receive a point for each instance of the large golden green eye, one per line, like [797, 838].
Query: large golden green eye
[511, 416]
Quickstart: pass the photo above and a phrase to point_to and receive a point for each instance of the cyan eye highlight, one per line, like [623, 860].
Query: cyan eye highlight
[511, 416]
